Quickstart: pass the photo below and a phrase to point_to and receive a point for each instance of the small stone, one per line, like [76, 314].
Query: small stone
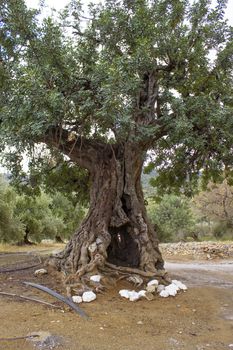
[133, 296]
[160, 288]
[139, 322]
[172, 289]
[95, 278]
[92, 247]
[153, 283]
[40, 272]
[99, 241]
[88, 296]
[142, 293]
[164, 293]
[77, 299]
[124, 293]
[230, 345]
[179, 284]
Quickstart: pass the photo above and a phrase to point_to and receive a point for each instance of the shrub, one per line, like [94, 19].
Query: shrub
[173, 218]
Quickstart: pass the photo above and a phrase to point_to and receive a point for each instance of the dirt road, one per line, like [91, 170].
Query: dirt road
[200, 319]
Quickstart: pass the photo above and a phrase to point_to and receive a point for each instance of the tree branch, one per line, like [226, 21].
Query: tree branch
[79, 149]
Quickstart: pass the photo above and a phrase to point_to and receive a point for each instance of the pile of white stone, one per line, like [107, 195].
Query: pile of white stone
[153, 287]
[88, 296]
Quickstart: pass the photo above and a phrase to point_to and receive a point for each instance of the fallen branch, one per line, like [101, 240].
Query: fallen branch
[29, 298]
[59, 297]
[21, 268]
[18, 338]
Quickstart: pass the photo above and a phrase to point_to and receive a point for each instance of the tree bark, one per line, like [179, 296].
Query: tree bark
[25, 240]
[116, 231]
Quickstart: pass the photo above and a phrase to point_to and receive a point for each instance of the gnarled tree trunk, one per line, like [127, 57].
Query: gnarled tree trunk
[116, 232]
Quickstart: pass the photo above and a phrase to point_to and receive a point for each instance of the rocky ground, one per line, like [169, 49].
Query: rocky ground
[199, 319]
[198, 250]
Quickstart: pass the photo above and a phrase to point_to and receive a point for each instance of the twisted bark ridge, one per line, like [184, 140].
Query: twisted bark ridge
[116, 234]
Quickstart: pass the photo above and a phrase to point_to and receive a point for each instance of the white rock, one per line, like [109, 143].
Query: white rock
[95, 278]
[92, 247]
[77, 299]
[179, 284]
[98, 241]
[124, 293]
[160, 288]
[153, 283]
[142, 293]
[164, 293]
[40, 272]
[151, 288]
[172, 289]
[88, 296]
[133, 296]
[130, 294]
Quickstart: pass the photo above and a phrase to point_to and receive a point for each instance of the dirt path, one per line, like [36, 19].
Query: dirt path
[197, 274]
[201, 318]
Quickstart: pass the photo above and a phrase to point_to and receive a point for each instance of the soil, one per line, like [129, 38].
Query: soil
[199, 319]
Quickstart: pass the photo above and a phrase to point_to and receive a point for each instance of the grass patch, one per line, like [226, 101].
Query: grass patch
[10, 248]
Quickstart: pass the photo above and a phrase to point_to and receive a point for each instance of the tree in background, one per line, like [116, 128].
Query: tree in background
[138, 77]
[173, 218]
[27, 219]
[70, 213]
[37, 217]
[11, 228]
[216, 205]
[216, 202]
[47, 217]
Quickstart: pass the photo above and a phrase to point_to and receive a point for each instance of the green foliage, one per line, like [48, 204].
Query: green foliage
[11, 229]
[172, 218]
[219, 229]
[35, 214]
[140, 71]
[70, 214]
[46, 216]
[37, 217]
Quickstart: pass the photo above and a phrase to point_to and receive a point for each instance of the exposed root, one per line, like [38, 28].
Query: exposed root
[159, 273]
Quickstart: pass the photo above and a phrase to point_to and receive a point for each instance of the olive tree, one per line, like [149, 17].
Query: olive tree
[139, 75]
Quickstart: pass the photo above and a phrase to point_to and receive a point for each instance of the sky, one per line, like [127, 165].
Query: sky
[59, 4]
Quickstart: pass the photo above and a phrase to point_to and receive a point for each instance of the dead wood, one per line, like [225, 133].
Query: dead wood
[19, 338]
[31, 299]
[59, 297]
[21, 268]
